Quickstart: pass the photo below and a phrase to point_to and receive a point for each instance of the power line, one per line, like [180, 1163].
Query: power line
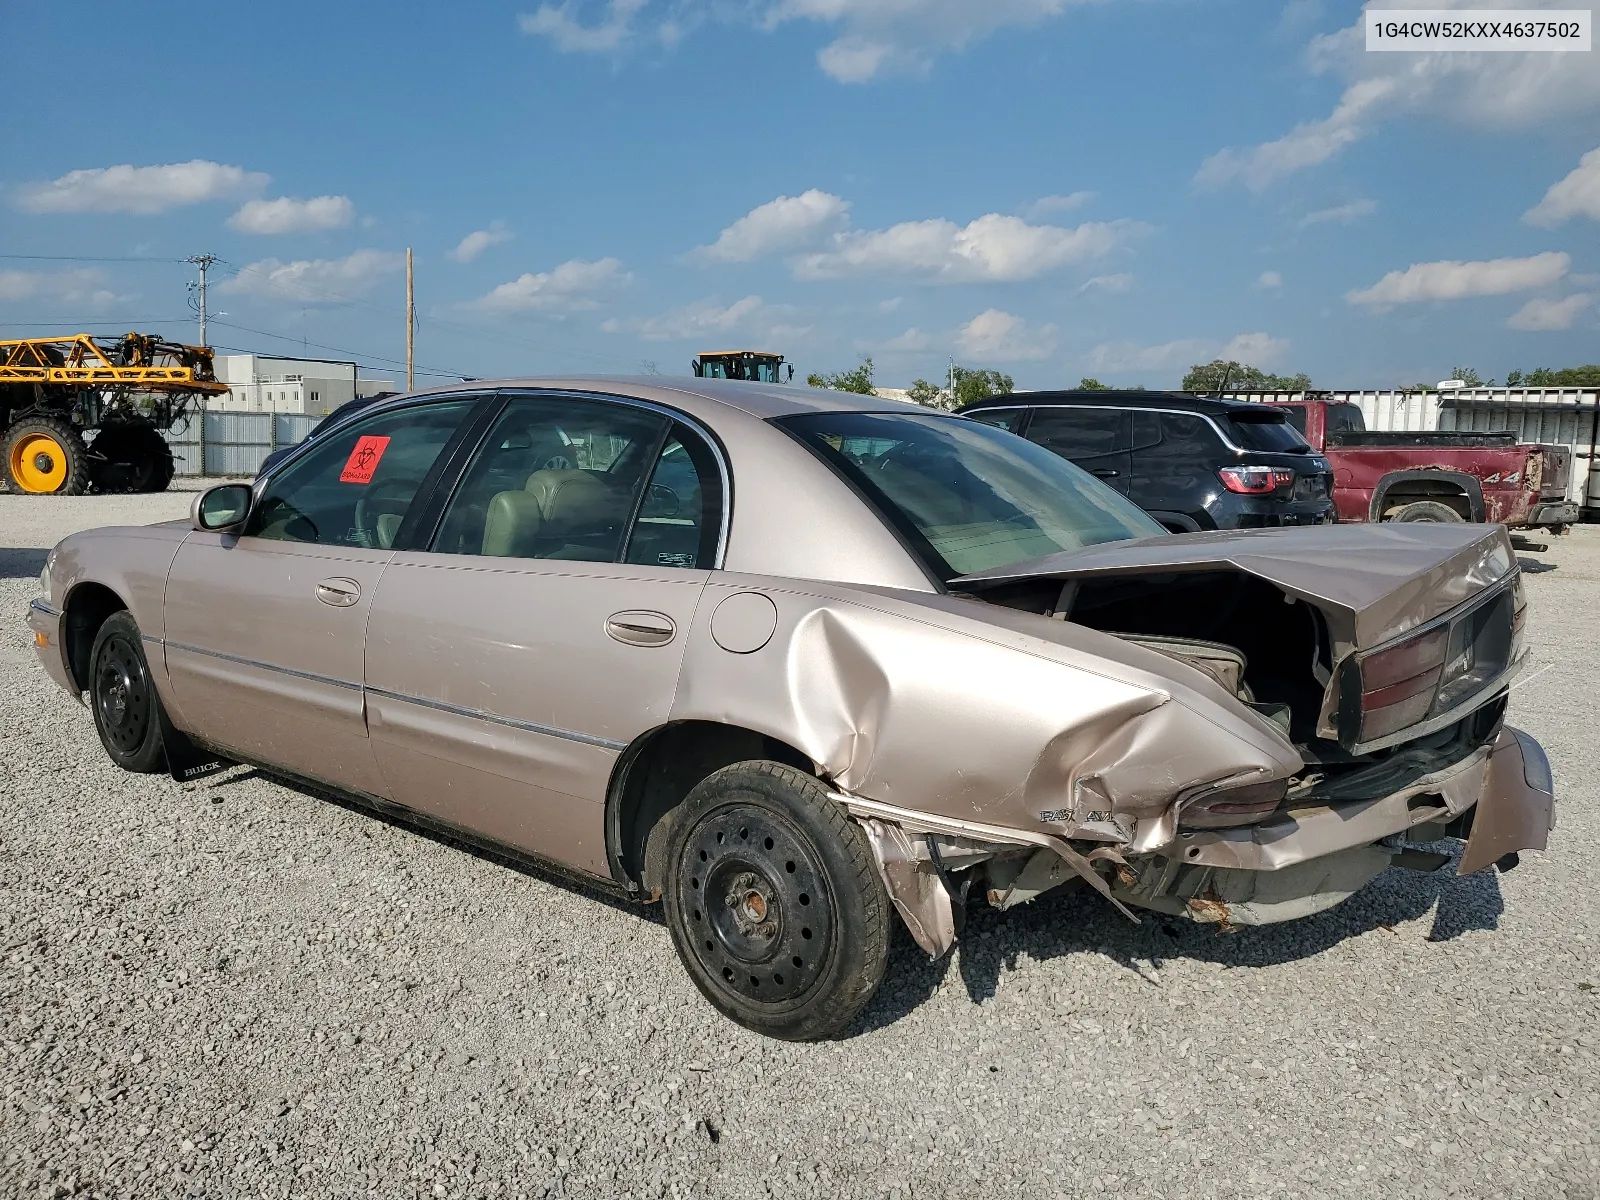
[87, 258]
[442, 374]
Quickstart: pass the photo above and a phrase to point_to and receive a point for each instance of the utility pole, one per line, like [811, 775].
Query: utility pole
[411, 324]
[203, 261]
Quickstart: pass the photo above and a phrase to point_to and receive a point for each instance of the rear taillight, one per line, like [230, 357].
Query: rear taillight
[1234, 806]
[1255, 481]
[1398, 685]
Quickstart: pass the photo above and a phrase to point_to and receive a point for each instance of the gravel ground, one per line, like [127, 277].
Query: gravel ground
[236, 988]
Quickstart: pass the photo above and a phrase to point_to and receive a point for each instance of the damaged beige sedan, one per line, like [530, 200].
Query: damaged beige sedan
[795, 661]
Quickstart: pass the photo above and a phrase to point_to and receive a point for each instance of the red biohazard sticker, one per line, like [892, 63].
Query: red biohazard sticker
[364, 459]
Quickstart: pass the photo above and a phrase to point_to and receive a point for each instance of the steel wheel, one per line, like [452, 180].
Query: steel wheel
[758, 902]
[127, 710]
[773, 901]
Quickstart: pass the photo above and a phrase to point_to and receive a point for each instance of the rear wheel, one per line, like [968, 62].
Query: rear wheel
[134, 458]
[1426, 510]
[127, 711]
[45, 456]
[774, 903]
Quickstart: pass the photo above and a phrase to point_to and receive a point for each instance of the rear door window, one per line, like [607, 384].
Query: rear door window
[1345, 418]
[1009, 419]
[1080, 432]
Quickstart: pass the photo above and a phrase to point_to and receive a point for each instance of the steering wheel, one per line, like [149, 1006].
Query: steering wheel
[391, 498]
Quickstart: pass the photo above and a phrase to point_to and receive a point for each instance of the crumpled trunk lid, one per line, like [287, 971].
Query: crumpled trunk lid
[1371, 582]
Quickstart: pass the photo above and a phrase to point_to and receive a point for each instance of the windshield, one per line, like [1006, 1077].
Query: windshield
[969, 497]
[1269, 432]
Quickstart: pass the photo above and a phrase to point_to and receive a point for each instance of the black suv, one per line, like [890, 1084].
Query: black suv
[1191, 462]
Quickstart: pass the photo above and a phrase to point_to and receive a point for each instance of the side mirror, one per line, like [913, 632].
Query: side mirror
[221, 508]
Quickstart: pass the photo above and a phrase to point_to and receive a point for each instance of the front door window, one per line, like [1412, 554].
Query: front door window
[355, 486]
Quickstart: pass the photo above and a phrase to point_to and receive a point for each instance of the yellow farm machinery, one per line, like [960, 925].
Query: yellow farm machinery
[81, 413]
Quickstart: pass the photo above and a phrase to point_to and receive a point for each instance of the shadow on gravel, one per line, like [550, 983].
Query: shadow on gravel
[1079, 922]
[1065, 923]
[422, 827]
[1534, 566]
[21, 563]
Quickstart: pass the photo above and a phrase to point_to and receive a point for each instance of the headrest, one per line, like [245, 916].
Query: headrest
[570, 497]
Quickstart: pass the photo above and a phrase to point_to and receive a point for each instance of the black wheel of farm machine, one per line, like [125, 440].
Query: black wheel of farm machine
[133, 457]
[45, 456]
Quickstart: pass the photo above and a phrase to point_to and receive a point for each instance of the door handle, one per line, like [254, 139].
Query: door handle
[639, 627]
[1105, 473]
[341, 593]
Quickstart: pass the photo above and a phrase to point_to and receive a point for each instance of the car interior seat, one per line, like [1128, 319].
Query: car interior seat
[559, 513]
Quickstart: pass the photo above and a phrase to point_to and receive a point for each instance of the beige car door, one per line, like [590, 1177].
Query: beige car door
[264, 630]
[509, 664]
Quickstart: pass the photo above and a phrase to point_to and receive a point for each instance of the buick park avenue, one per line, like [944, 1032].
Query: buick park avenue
[800, 663]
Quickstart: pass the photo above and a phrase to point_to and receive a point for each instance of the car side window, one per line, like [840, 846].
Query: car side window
[554, 478]
[1009, 419]
[1296, 416]
[1080, 432]
[353, 487]
[1173, 436]
[680, 517]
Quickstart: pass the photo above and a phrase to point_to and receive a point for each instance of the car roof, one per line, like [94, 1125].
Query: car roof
[706, 399]
[1214, 406]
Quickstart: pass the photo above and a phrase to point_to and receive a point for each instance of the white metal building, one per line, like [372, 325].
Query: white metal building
[266, 383]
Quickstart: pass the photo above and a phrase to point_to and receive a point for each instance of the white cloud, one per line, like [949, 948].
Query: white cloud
[1122, 282]
[1059, 204]
[479, 240]
[1495, 91]
[1578, 195]
[81, 287]
[1539, 315]
[875, 37]
[993, 248]
[557, 23]
[1458, 280]
[1269, 279]
[997, 336]
[144, 190]
[1256, 349]
[694, 320]
[288, 215]
[315, 280]
[779, 226]
[879, 37]
[1342, 214]
[575, 284]
[910, 341]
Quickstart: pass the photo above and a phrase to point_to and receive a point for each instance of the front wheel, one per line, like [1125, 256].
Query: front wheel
[127, 711]
[774, 903]
[45, 456]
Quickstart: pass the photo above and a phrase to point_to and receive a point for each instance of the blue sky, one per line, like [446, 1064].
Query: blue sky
[1049, 187]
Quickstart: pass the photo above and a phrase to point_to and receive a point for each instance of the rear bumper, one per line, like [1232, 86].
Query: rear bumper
[1502, 796]
[1563, 512]
[1229, 511]
[48, 643]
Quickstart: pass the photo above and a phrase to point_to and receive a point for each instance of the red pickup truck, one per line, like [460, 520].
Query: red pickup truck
[1446, 476]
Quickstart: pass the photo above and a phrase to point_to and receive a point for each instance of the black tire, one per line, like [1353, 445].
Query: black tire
[127, 710]
[70, 475]
[774, 902]
[132, 457]
[1428, 510]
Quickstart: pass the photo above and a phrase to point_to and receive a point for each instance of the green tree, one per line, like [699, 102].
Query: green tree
[1587, 377]
[1469, 377]
[972, 386]
[1227, 375]
[929, 396]
[1089, 384]
[858, 379]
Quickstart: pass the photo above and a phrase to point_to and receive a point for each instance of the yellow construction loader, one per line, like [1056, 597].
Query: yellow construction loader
[82, 412]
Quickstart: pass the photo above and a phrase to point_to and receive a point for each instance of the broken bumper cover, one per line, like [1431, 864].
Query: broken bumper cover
[1307, 861]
